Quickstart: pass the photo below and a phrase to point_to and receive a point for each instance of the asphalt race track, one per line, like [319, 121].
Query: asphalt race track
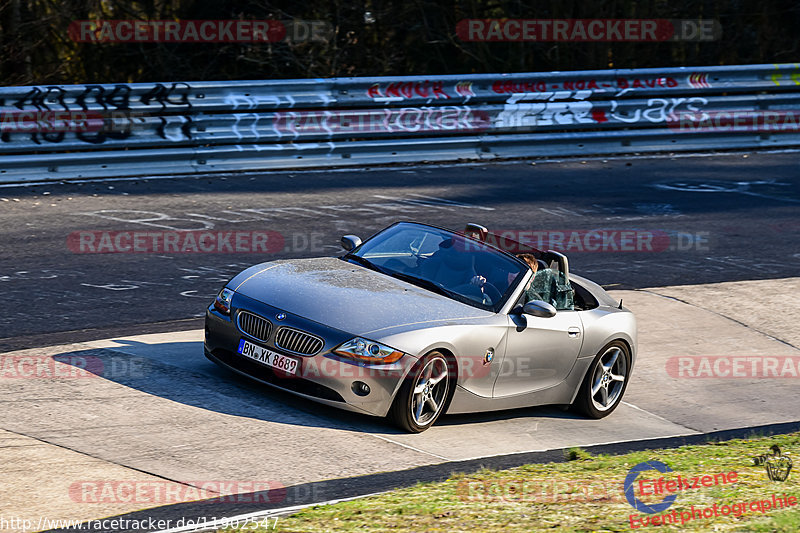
[737, 217]
[720, 281]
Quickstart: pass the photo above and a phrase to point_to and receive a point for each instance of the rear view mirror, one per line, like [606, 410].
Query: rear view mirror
[539, 308]
[350, 242]
[476, 231]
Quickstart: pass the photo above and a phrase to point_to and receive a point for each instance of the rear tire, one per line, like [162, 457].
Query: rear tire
[424, 394]
[605, 381]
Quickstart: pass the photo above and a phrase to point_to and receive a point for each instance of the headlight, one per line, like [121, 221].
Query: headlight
[369, 351]
[223, 301]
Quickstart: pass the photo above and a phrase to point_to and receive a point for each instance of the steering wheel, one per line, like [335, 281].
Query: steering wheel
[475, 293]
[492, 292]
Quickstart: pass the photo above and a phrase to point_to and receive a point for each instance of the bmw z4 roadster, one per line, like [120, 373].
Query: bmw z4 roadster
[419, 320]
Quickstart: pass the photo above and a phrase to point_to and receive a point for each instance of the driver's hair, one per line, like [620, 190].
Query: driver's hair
[531, 260]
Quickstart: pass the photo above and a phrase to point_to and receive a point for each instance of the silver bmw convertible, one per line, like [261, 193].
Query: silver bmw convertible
[420, 320]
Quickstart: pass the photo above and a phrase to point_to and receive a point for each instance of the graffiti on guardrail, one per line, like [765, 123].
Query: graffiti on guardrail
[522, 112]
[518, 113]
[175, 120]
[436, 90]
[176, 94]
[109, 109]
[360, 121]
[657, 110]
[398, 91]
[780, 74]
[589, 84]
[209, 126]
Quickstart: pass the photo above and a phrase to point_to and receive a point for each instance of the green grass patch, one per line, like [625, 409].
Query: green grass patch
[583, 494]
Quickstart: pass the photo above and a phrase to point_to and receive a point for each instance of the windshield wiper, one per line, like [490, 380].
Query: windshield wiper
[427, 284]
[419, 282]
[366, 262]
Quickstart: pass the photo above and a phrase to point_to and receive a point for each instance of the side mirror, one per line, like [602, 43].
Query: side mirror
[349, 242]
[539, 308]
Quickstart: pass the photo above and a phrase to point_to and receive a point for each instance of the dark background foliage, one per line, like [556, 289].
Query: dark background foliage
[374, 38]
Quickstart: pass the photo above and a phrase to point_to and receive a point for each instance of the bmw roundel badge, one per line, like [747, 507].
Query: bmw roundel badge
[487, 359]
[280, 316]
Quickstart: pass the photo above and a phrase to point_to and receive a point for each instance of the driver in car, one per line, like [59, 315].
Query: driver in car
[530, 292]
[453, 265]
[533, 263]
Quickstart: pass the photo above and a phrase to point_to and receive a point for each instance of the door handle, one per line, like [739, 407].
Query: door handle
[574, 332]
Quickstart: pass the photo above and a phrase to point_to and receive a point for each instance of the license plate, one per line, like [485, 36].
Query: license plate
[284, 363]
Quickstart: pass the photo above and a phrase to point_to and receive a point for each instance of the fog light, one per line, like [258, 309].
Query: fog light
[360, 388]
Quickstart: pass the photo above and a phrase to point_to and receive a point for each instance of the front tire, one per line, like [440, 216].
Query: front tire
[423, 395]
[605, 381]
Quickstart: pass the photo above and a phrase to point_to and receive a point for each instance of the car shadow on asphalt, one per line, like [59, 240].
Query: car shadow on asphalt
[544, 411]
[178, 371]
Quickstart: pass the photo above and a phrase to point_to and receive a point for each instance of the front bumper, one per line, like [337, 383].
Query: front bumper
[324, 377]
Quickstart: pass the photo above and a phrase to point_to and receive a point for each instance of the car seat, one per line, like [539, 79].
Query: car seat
[449, 267]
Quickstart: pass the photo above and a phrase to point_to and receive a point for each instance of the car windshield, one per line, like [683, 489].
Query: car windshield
[444, 262]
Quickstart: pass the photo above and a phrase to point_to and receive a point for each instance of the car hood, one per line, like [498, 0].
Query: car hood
[346, 296]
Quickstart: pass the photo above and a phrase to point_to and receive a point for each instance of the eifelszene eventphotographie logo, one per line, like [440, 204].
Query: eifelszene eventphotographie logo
[630, 493]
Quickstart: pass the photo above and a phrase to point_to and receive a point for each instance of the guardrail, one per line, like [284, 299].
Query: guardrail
[79, 131]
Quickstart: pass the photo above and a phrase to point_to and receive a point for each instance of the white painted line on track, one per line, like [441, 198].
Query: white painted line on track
[248, 519]
[606, 443]
[658, 417]
[387, 439]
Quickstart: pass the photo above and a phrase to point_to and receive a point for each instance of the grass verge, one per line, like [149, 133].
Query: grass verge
[583, 494]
